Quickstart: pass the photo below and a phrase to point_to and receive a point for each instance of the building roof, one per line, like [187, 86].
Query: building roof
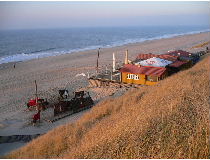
[179, 53]
[144, 56]
[162, 56]
[177, 64]
[146, 70]
[155, 62]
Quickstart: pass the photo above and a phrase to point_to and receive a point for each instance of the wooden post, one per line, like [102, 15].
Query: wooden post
[88, 75]
[35, 89]
[113, 65]
[106, 71]
[111, 75]
[126, 57]
[97, 61]
[36, 96]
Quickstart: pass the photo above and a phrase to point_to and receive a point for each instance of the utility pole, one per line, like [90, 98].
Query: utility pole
[36, 90]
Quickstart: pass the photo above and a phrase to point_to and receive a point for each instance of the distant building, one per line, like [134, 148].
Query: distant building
[145, 75]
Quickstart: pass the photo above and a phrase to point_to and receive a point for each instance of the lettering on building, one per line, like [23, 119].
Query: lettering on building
[133, 76]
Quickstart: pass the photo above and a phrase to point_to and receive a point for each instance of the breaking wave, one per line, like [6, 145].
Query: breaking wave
[49, 51]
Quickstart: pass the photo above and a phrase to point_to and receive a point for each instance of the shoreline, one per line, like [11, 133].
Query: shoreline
[92, 48]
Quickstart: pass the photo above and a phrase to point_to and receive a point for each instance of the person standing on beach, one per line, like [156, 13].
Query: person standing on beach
[36, 117]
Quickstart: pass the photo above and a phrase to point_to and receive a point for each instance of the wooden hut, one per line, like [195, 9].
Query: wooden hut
[177, 66]
[146, 75]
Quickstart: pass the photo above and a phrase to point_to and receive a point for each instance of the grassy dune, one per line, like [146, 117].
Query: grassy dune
[168, 120]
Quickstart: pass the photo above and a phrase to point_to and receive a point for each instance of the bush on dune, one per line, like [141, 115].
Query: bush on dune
[168, 120]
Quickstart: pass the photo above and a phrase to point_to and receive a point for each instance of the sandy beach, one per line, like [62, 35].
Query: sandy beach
[59, 72]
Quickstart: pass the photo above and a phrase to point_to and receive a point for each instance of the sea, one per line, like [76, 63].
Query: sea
[23, 45]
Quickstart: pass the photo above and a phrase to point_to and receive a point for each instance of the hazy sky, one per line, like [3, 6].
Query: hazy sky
[27, 15]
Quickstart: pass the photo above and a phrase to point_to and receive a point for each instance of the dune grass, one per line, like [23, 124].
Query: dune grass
[201, 45]
[168, 120]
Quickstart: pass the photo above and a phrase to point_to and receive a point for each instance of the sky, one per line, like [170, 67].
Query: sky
[32, 15]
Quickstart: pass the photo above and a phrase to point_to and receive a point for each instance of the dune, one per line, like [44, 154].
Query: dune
[168, 120]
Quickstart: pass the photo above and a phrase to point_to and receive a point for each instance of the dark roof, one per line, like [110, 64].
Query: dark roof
[184, 58]
[179, 53]
[162, 56]
[146, 70]
[177, 64]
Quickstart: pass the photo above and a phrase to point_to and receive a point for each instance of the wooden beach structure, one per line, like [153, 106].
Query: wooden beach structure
[143, 75]
[180, 60]
[146, 69]
[185, 56]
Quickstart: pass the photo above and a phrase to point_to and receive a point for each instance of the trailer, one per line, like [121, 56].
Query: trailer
[66, 107]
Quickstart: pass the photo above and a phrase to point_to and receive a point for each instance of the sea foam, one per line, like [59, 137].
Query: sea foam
[49, 52]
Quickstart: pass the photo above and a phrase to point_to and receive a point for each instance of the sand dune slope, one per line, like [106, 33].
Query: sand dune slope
[169, 120]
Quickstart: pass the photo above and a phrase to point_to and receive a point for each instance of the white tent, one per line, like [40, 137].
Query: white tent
[155, 62]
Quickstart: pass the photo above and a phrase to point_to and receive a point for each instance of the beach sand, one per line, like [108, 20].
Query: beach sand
[59, 72]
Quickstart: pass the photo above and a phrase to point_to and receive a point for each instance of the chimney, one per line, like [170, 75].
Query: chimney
[114, 62]
[126, 57]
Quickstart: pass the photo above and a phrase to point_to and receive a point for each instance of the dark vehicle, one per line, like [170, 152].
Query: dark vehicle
[81, 101]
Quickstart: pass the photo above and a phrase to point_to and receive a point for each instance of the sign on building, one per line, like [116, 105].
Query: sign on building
[133, 76]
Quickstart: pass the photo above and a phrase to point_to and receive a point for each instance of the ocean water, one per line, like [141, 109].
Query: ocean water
[22, 45]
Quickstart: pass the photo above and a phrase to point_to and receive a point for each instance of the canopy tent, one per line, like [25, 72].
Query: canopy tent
[155, 62]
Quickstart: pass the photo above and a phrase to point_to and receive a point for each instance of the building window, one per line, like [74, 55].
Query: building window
[133, 76]
[152, 78]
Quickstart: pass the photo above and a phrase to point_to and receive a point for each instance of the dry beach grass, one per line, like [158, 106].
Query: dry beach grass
[168, 120]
